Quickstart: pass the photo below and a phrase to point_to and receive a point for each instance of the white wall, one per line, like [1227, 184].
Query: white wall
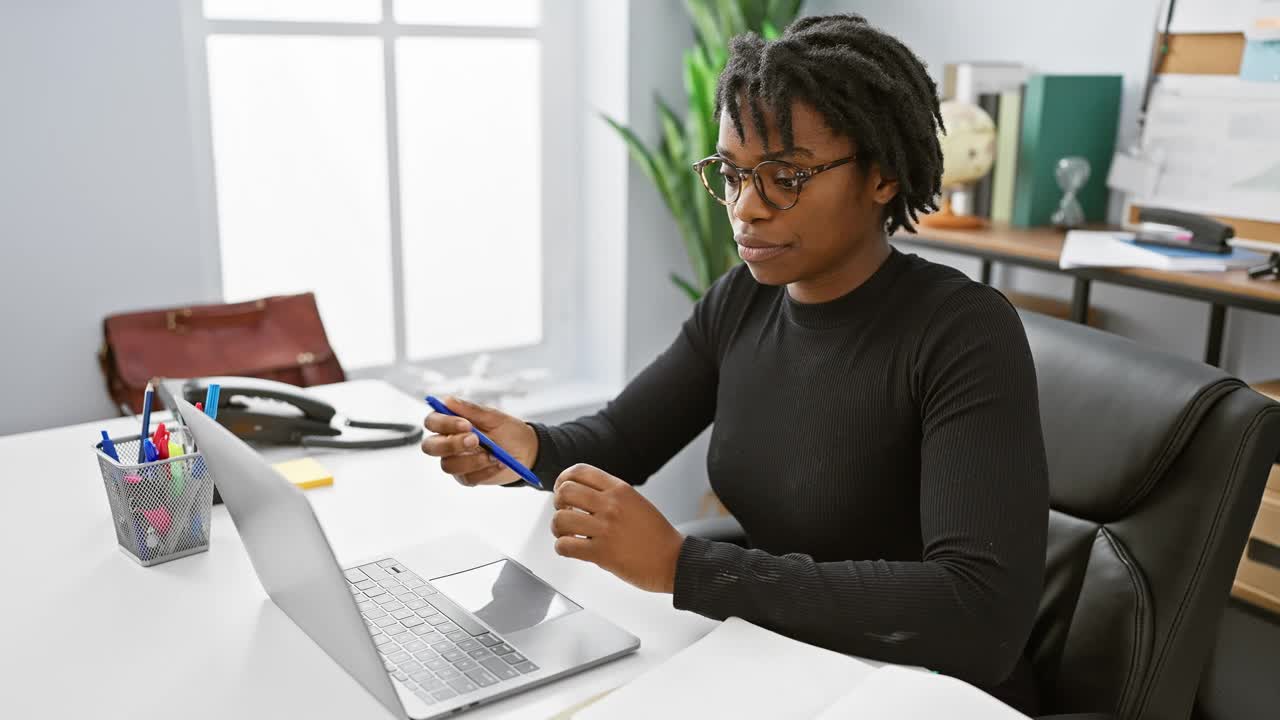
[659, 33]
[1086, 36]
[96, 179]
[101, 171]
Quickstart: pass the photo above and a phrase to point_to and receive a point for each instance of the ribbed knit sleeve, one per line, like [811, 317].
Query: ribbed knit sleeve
[659, 412]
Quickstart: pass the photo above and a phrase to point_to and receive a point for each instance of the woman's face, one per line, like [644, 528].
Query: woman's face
[836, 212]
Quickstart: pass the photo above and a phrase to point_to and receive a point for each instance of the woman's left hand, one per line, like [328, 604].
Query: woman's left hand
[601, 519]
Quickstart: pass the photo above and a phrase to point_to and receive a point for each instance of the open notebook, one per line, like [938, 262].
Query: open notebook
[740, 670]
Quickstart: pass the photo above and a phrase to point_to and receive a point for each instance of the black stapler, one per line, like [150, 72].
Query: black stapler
[1188, 231]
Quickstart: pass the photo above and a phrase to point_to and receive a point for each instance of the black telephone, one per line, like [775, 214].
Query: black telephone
[276, 413]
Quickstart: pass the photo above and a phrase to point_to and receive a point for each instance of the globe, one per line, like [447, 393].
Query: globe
[968, 146]
[968, 152]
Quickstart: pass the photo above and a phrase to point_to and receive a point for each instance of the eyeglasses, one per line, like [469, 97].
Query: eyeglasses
[778, 182]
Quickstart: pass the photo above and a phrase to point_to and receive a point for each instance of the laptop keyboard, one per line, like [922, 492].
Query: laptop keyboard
[428, 642]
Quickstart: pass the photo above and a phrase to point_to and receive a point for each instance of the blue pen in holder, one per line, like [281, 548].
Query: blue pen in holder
[160, 509]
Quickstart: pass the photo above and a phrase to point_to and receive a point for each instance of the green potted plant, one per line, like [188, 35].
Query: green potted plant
[704, 227]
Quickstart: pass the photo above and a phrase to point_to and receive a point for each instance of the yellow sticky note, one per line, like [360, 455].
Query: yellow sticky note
[305, 472]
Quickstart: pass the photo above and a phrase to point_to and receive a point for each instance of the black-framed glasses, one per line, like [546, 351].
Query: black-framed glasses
[777, 181]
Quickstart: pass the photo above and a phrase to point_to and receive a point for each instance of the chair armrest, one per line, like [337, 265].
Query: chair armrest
[721, 528]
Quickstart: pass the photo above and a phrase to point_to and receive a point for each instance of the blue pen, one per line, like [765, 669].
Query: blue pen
[149, 452]
[146, 421]
[109, 447]
[211, 400]
[491, 446]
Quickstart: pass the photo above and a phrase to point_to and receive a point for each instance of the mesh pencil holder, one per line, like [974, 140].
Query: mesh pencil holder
[160, 509]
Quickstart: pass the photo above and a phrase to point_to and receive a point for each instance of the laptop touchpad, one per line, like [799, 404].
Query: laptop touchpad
[505, 595]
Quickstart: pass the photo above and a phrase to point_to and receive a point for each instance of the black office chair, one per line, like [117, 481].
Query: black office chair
[1156, 469]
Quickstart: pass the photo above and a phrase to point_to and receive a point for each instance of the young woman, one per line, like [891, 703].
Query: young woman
[876, 426]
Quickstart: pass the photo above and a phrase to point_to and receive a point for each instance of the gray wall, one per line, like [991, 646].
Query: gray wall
[96, 178]
[1086, 36]
[659, 33]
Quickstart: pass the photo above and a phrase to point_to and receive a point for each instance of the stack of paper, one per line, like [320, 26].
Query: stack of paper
[740, 670]
[1216, 142]
[1085, 248]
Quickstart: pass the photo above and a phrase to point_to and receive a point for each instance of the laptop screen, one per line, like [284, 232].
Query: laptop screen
[289, 552]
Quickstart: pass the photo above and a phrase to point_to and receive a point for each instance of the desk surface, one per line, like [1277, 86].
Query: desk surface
[88, 632]
[1042, 247]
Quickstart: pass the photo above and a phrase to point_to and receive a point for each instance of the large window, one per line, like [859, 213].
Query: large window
[387, 154]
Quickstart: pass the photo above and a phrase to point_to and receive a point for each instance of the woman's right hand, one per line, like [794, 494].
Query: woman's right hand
[459, 449]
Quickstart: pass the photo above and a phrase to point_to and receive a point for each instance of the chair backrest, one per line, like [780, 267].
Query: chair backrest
[1156, 469]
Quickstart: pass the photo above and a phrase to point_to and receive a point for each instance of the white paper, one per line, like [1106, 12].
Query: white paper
[737, 670]
[894, 692]
[1208, 16]
[1088, 248]
[1133, 174]
[1264, 21]
[1219, 141]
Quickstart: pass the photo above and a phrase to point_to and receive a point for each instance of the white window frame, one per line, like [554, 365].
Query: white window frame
[571, 340]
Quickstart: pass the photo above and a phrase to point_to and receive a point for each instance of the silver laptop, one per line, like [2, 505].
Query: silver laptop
[429, 630]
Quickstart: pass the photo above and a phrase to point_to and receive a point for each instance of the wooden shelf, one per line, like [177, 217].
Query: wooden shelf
[1256, 596]
[1043, 246]
[1270, 388]
[1258, 583]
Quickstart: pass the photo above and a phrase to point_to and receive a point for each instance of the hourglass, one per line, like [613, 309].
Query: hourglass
[1072, 173]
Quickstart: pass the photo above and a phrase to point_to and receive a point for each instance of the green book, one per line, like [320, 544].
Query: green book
[1008, 127]
[1065, 115]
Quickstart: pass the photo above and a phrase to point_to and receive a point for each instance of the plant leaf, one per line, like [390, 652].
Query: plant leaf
[754, 12]
[673, 177]
[704, 225]
[672, 163]
[639, 152]
[693, 293]
[705, 24]
[732, 21]
[677, 148]
[781, 13]
[703, 85]
[701, 130]
[648, 162]
[685, 186]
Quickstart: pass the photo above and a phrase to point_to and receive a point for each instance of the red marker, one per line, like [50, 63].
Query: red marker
[161, 440]
[200, 406]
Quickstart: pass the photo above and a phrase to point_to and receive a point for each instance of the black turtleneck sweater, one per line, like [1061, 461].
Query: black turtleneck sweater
[882, 451]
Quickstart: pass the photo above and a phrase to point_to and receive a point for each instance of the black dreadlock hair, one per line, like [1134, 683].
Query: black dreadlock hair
[865, 83]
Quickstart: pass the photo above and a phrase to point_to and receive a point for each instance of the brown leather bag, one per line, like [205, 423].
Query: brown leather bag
[275, 338]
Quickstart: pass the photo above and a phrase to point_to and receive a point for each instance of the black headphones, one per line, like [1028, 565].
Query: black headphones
[1269, 270]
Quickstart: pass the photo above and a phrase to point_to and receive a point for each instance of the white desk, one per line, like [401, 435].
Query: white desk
[85, 631]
